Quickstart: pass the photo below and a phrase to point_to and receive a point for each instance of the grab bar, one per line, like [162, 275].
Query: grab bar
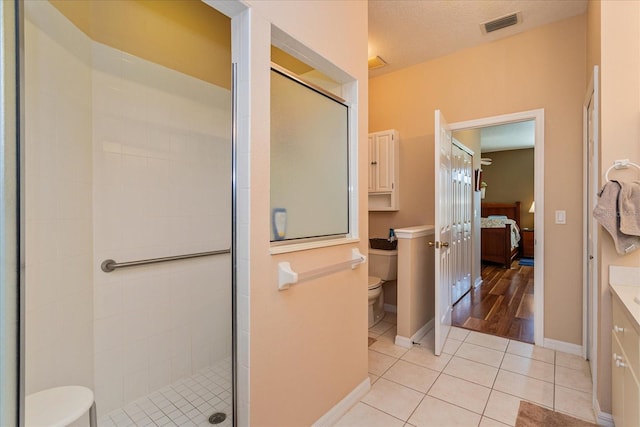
[288, 277]
[108, 265]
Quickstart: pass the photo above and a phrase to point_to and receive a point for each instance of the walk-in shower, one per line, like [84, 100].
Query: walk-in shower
[128, 207]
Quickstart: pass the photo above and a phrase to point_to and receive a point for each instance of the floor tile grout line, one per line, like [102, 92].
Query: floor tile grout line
[500, 368]
[440, 373]
[384, 412]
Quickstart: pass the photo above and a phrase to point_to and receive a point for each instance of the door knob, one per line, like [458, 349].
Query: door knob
[438, 245]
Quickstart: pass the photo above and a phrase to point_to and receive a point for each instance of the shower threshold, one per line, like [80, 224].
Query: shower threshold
[188, 402]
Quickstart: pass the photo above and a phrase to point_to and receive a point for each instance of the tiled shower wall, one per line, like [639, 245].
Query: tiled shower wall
[162, 180]
[125, 160]
[58, 202]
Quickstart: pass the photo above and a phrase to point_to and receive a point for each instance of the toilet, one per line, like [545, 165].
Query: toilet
[383, 266]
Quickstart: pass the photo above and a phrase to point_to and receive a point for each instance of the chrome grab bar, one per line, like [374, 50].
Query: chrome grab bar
[108, 265]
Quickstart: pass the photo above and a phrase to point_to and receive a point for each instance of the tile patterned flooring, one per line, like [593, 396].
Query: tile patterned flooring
[479, 380]
[186, 403]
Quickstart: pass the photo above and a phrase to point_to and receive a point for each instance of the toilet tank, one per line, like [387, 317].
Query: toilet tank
[383, 264]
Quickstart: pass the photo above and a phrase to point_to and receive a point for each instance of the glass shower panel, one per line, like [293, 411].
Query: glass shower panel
[9, 261]
[128, 133]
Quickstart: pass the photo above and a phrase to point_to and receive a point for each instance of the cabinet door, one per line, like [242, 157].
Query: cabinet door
[631, 399]
[373, 160]
[617, 385]
[385, 162]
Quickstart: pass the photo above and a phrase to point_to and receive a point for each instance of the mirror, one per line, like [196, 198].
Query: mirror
[309, 160]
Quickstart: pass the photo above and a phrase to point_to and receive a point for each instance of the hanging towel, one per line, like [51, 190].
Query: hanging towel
[606, 213]
[629, 208]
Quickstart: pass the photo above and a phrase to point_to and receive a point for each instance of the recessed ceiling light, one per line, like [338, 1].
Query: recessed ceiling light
[376, 62]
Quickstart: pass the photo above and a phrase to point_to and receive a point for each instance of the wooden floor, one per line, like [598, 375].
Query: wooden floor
[502, 305]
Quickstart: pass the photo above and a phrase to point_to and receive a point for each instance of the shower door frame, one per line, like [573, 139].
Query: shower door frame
[14, 11]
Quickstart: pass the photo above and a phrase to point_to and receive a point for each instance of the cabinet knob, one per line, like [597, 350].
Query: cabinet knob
[616, 357]
[374, 163]
[620, 364]
[617, 328]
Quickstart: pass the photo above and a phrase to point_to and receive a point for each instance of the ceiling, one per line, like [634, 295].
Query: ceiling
[512, 136]
[407, 32]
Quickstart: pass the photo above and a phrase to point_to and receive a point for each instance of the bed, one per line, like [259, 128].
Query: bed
[500, 236]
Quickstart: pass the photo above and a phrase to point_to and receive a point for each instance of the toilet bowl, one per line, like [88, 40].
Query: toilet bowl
[376, 300]
[382, 268]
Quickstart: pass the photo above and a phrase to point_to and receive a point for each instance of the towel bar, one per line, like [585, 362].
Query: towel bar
[620, 164]
[288, 277]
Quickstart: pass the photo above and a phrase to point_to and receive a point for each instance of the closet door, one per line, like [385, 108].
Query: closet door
[462, 214]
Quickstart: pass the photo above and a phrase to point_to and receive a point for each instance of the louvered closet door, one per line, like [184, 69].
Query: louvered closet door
[462, 213]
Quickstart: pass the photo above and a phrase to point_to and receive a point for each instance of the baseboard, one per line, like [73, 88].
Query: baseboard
[331, 418]
[602, 418]
[403, 341]
[562, 346]
[408, 342]
[391, 308]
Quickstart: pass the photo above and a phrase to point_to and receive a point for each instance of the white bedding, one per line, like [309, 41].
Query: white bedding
[500, 223]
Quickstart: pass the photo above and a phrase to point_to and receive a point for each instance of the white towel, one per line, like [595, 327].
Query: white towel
[606, 213]
[629, 208]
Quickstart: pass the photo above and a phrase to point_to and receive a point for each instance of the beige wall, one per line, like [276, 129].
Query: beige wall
[542, 68]
[510, 179]
[619, 51]
[308, 344]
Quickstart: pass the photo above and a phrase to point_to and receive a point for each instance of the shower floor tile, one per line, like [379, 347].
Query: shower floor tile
[188, 402]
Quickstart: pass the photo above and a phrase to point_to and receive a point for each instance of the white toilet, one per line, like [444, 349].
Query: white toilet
[383, 266]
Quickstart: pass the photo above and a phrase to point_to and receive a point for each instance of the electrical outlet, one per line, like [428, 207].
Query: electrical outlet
[561, 217]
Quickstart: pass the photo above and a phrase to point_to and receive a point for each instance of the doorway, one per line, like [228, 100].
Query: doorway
[486, 278]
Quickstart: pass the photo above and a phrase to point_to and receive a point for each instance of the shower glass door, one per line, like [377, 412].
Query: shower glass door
[128, 158]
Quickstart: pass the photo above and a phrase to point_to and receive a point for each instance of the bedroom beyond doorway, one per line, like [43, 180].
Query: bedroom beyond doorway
[502, 306]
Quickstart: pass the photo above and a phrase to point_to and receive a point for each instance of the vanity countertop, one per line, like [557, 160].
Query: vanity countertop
[625, 286]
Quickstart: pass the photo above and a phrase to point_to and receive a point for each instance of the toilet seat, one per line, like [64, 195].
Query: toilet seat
[374, 282]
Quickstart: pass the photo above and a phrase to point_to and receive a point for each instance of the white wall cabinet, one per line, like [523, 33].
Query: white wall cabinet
[625, 362]
[384, 159]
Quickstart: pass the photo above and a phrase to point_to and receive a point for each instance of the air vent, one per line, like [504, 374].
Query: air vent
[500, 23]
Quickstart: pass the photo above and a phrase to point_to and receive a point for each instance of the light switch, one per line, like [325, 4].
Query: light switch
[561, 217]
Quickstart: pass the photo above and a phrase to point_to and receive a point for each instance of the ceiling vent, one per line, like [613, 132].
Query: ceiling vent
[376, 62]
[500, 23]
